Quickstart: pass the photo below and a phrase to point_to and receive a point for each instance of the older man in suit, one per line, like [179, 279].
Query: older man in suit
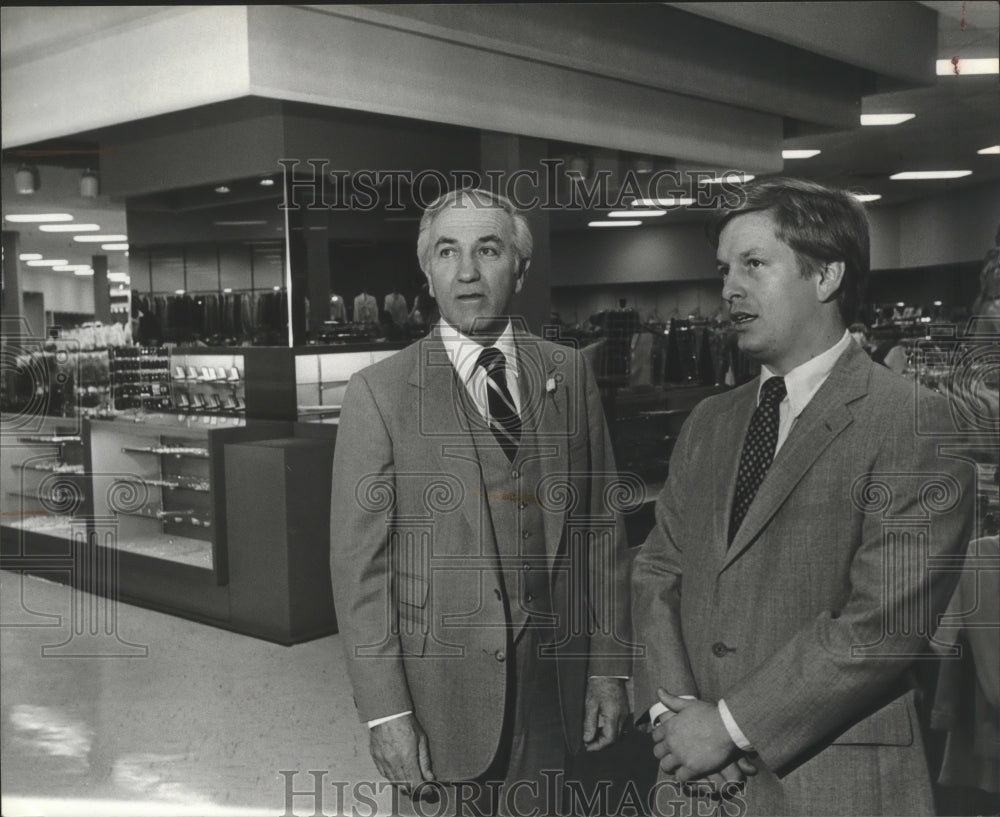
[788, 585]
[478, 560]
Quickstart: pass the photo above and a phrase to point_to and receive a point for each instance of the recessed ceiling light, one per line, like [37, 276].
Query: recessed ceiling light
[100, 239]
[960, 67]
[36, 218]
[910, 175]
[276, 289]
[990, 150]
[47, 263]
[866, 197]
[900, 304]
[222, 189]
[870, 119]
[267, 182]
[178, 292]
[666, 201]
[799, 154]
[114, 246]
[69, 228]
[30, 256]
[636, 213]
[937, 303]
[618, 223]
[227, 290]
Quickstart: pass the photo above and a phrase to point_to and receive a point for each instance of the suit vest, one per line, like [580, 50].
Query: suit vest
[518, 524]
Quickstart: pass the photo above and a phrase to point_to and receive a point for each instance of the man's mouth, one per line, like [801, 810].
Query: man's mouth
[740, 318]
[471, 296]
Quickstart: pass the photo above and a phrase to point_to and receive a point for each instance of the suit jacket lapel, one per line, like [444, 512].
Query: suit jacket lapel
[732, 433]
[444, 427]
[544, 425]
[823, 419]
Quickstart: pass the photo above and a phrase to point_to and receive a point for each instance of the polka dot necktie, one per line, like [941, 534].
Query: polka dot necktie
[758, 450]
[505, 423]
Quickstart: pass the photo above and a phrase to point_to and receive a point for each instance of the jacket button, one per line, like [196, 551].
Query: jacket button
[525, 534]
[500, 655]
[719, 649]
[513, 475]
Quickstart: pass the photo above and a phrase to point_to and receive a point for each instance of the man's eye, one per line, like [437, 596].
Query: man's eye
[491, 251]
[755, 263]
[446, 252]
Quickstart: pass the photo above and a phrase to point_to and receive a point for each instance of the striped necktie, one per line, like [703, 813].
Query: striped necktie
[505, 423]
[758, 450]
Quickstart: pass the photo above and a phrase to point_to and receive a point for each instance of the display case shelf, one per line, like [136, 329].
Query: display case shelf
[166, 450]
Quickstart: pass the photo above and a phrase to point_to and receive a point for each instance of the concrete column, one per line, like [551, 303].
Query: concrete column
[501, 155]
[13, 302]
[102, 295]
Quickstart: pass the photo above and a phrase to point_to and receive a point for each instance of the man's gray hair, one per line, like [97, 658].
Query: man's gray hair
[480, 198]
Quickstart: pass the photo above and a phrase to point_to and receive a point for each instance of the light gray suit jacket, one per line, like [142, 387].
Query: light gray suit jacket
[413, 555]
[808, 623]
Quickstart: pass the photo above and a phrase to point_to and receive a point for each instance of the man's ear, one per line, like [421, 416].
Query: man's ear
[430, 285]
[521, 273]
[828, 280]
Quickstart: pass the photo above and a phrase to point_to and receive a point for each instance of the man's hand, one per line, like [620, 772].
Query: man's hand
[605, 711]
[401, 753]
[694, 742]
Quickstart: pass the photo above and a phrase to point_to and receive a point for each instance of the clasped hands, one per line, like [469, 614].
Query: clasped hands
[693, 743]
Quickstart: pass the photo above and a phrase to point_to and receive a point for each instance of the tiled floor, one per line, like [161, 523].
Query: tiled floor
[155, 715]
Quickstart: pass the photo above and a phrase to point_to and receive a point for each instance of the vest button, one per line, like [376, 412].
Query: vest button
[514, 475]
[500, 655]
[719, 649]
[522, 505]
[526, 566]
[528, 597]
[525, 534]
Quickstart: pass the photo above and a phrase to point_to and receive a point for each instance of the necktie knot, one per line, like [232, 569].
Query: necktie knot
[492, 360]
[773, 391]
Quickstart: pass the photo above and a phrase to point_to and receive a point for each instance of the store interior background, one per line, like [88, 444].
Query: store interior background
[170, 105]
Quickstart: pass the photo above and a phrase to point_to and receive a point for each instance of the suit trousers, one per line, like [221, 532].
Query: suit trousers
[527, 772]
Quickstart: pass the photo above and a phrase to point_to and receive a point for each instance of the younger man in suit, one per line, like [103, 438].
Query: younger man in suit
[478, 562]
[789, 582]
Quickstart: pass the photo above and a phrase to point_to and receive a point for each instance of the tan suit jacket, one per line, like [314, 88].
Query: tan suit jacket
[808, 623]
[414, 557]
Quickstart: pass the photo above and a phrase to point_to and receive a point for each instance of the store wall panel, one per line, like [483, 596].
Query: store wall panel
[191, 55]
[359, 65]
[629, 255]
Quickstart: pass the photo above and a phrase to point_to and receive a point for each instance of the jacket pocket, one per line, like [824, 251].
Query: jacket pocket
[889, 726]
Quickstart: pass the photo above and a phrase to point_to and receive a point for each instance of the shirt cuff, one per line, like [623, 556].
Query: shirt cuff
[658, 709]
[387, 718]
[734, 730]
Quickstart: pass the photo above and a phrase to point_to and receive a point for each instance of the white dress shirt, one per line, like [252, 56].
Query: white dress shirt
[801, 383]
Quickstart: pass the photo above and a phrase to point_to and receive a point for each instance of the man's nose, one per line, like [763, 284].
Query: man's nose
[468, 269]
[731, 287]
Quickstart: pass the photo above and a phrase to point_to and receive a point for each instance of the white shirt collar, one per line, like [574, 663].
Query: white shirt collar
[463, 352]
[804, 380]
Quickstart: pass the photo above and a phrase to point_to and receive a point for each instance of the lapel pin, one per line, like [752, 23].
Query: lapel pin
[550, 389]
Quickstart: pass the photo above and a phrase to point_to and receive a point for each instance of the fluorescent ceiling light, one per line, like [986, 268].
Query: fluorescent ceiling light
[799, 154]
[222, 189]
[267, 182]
[88, 272]
[48, 263]
[910, 175]
[866, 197]
[36, 218]
[885, 118]
[100, 239]
[30, 256]
[69, 228]
[227, 290]
[249, 223]
[619, 223]
[990, 150]
[967, 67]
[667, 201]
[636, 213]
[118, 277]
[114, 246]
[178, 292]
[733, 177]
